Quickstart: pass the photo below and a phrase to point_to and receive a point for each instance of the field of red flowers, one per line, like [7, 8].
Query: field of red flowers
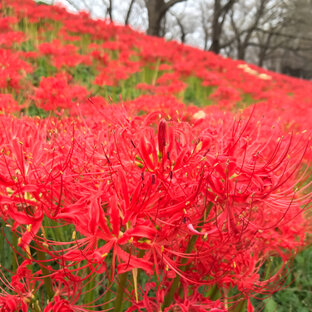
[143, 175]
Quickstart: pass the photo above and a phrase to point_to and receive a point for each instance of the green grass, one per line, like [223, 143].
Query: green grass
[196, 93]
[297, 294]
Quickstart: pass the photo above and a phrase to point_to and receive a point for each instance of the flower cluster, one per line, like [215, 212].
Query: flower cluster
[56, 92]
[190, 206]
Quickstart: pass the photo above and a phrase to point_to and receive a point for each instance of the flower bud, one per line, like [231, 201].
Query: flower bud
[162, 131]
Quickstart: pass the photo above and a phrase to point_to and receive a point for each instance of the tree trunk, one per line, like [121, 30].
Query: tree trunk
[206, 38]
[215, 45]
[219, 14]
[261, 57]
[264, 49]
[216, 29]
[241, 51]
[181, 26]
[110, 10]
[157, 9]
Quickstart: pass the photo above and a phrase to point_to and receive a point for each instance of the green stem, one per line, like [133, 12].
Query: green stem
[268, 268]
[107, 298]
[213, 292]
[176, 282]
[90, 289]
[14, 256]
[45, 271]
[241, 307]
[120, 291]
[155, 75]
[169, 297]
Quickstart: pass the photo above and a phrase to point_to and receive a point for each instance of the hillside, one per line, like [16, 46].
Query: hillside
[143, 175]
[109, 60]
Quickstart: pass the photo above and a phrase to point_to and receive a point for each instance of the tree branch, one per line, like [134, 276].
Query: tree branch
[129, 12]
[73, 4]
[284, 35]
[227, 6]
[171, 3]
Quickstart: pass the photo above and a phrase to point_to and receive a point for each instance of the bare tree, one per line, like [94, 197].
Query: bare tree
[109, 10]
[182, 23]
[74, 4]
[129, 12]
[88, 6]
[220, 12]
[213, 15]
[243, 33]
[270, 43]
[283, 42]
[265, 46]
[157, 10]
[179, 21]
[205, 23]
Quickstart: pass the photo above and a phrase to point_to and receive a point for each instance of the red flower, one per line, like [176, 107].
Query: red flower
[56, 92]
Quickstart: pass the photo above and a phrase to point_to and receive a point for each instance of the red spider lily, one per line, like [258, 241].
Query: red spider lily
[12, 69]
[56, 92]
[68, 288]
[116, 71]
[12, 303]
[8, 38]
[62, 305]
[168, 174]
[63, 55]
[195, 302]
[226, 95]
[6, 22]
[8, 104]
[23, 287]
